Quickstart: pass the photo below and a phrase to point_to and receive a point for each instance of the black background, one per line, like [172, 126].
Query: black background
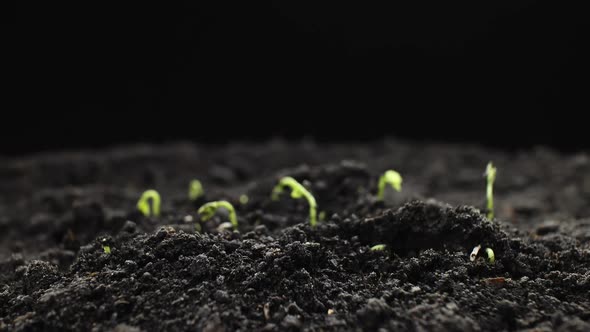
[96, 74]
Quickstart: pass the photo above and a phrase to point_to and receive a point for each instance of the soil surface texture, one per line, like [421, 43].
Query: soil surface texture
[77, 255]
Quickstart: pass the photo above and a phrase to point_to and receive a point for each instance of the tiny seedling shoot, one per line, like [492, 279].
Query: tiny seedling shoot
[491, 177]
[391, 177]
[195, 190]
[379, 247]
[489, 253]
[244, 199]
[297, 191]
[208, 210]
[143, 204]
[105, 246]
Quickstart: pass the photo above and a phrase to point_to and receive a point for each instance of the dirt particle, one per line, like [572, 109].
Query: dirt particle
[214, 324]
[293, 309]
[129, 227]
[147, 277]
[39, 275]
[291, 322]
[266, 310]
[126, 328]
[547, 227]
[130, 265]
[24, 317]
[221, 296]
[497, 281]
[374, 312]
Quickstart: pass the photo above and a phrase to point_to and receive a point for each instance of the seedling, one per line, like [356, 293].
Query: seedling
[105, 246]
[379, 247]
[208, 210]
[489, 253]
[143, 205]
[491, 256]
[195, 190]
[297, 191]
[322, 215]
[244, 199]
[392, 178]
[491, 177]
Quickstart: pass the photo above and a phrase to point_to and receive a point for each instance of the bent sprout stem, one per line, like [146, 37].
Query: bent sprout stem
[391, 177]
[491, 177]
[297, 191]
[143, 205]
[208, 210]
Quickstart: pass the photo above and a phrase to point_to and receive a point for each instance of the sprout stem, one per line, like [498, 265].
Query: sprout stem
[208, 210]
[297, 191]
[491, 177]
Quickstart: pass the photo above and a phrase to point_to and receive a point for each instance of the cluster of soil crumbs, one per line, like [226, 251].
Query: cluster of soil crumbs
[59, 211]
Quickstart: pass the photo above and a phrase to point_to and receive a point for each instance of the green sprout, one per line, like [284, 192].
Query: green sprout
[489, 252]
[208, 210]
[491, 256]
[491, 177]
[195, 190]
[106, 245]
[244, 199]
[144, 207]
[392, 178]
[379, 247]
[322, 215]
[297, 191]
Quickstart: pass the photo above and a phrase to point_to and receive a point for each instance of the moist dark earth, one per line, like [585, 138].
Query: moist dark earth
[277, 273]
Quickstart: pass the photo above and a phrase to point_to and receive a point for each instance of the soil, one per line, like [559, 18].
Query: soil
[58, 211]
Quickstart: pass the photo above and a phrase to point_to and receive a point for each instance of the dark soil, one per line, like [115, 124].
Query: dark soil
[278, 273]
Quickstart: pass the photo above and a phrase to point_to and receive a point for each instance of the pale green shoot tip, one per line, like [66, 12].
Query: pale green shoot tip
[379, 247]
[491, 256]
[391, 177]
[195, 190]
[244, 199]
